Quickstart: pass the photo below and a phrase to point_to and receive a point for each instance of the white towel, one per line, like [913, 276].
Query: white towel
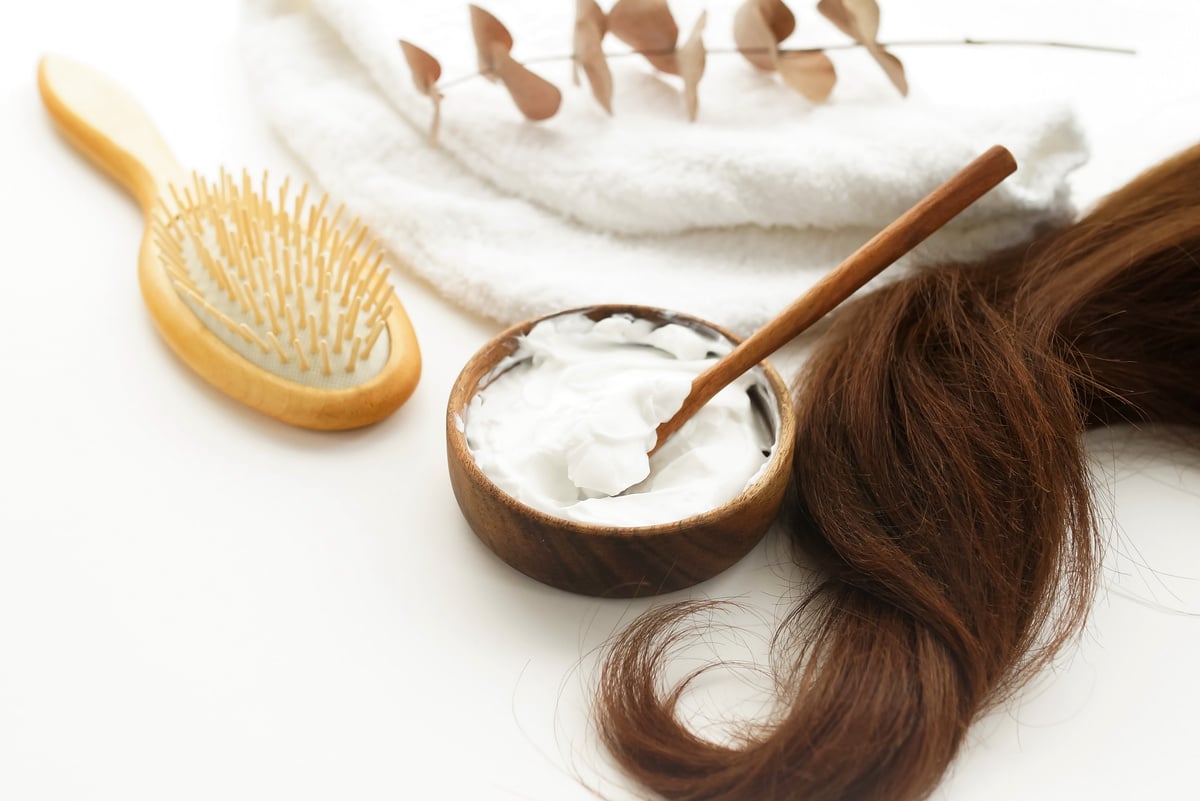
[729, 218]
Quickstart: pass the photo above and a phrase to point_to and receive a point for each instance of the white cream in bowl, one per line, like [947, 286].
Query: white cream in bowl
[564, 423]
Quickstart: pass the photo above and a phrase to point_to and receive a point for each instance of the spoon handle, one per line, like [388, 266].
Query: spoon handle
[906, 232]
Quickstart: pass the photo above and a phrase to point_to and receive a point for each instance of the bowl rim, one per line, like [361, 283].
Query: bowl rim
[780, 459]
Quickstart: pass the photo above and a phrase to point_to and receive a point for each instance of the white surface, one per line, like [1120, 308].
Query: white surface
[198, 603]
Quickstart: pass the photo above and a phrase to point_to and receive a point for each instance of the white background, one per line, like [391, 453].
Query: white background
[198, 602]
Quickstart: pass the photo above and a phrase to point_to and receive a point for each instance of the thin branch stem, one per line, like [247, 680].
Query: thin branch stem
[470, 76]
[1125, 51]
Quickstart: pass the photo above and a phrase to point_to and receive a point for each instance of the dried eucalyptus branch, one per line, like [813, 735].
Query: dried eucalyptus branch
[649, 28]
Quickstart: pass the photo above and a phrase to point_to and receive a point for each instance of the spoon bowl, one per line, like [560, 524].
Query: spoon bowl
[616, 561]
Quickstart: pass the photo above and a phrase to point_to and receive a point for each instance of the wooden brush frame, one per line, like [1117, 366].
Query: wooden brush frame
[107, 124]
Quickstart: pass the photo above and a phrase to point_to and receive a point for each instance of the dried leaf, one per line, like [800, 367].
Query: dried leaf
[426, 71]
[537, 98]
[865, 14]
[753, 35]
[758, 28]
[691, 58]
[809, 73]
[589, 18]
[892, 67]
[836, 12]
[491, 38]
[779, 18]
[859, 19]
[649, 28]
[590, 11]
[425, 68]
[590, 26]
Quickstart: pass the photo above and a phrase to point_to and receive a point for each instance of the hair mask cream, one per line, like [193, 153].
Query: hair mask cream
[564, 424]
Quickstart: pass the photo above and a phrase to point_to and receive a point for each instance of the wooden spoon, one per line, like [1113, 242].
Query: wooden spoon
[909, 230]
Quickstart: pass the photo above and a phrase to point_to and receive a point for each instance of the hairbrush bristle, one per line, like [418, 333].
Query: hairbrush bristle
[281, 283]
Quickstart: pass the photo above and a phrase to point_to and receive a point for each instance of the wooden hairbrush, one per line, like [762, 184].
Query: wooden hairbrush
[268, 299]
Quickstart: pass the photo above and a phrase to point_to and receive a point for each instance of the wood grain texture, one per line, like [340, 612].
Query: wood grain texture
[607, 560]
[905, 233]
[109, 126]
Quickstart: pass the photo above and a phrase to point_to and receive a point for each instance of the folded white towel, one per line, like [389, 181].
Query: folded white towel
[729, 217]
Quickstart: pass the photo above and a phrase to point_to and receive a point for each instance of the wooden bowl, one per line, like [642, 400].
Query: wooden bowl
[614, 561]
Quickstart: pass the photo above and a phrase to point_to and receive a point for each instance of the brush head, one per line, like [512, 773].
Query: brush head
[279, 283]
[294, 309]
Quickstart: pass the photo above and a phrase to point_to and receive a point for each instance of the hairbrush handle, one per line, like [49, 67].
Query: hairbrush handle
[906, 232]
[103, 121]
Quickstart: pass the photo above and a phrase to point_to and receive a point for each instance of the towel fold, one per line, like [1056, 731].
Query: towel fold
[729, 218]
